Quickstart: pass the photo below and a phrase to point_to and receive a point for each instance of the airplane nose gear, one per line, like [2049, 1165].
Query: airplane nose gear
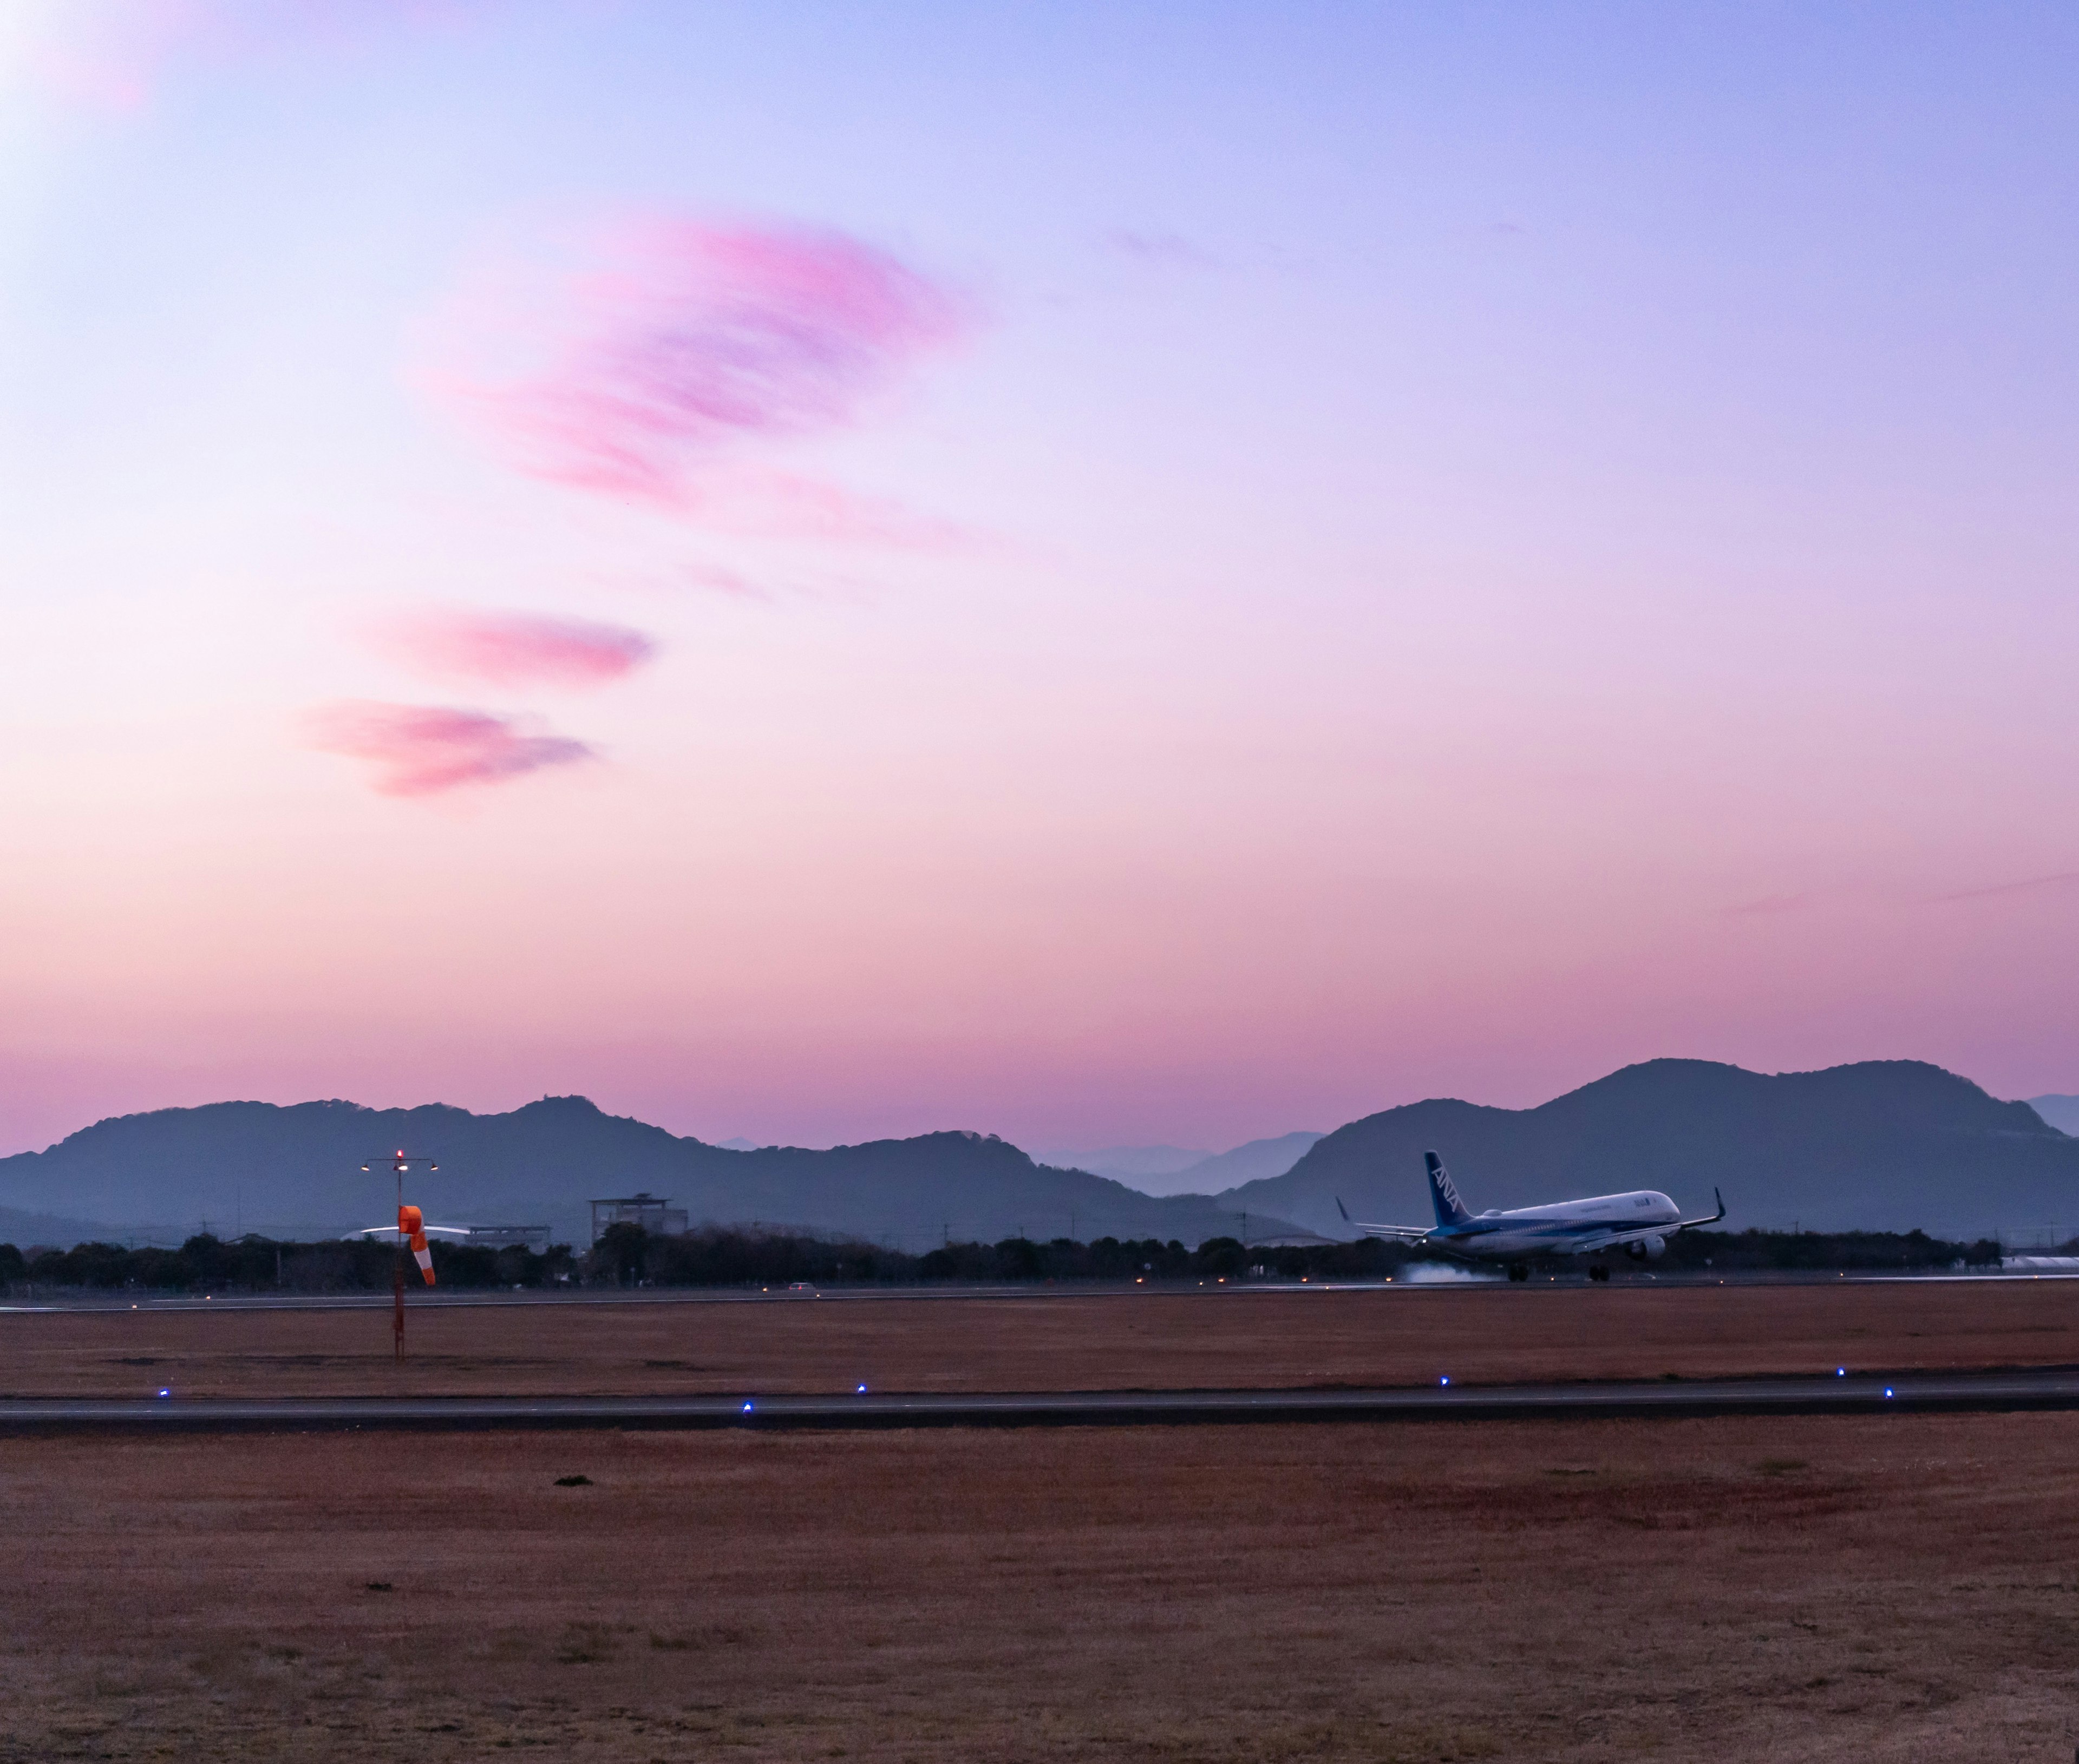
[1599, 1271]
[1518, 1271]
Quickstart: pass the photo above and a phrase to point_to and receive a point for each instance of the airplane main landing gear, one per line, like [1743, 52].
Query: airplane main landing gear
[1518, 1271]
[1599, 1271]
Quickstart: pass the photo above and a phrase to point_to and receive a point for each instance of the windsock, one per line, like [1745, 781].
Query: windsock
[411, 1223]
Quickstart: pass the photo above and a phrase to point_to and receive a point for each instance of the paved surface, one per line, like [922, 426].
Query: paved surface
[1858, 1395]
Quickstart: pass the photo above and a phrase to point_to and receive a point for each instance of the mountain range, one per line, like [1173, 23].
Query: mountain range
[1885, 1145]
[1882, 1145]
[296, 1172]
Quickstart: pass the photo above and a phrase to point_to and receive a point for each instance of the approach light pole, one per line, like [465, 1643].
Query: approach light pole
[400, 1162]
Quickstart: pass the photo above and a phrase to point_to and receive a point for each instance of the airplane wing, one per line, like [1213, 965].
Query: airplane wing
[431, 1231]
[1590, 1246]
[1393, 1234]
[1683, 1224]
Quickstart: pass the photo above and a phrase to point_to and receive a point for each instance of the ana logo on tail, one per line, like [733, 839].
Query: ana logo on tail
[1450, 1209]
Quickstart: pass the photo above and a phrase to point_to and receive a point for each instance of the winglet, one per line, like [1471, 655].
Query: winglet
[1342, 1209]
[1684, 1225]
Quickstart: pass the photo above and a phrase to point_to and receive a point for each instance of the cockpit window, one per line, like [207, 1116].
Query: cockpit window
[1644, 1200]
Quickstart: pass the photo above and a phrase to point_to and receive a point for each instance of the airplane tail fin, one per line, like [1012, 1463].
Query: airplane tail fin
[1450, 1209]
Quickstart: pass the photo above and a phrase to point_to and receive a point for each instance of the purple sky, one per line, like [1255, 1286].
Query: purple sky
[1095, 573]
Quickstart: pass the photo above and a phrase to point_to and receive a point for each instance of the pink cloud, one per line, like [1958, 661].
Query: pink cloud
[423, 750]
[769, 504]
[513, 648]
[715, 579]
[684, 344]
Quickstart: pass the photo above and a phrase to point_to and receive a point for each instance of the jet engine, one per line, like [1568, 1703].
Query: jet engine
[1646, 1249]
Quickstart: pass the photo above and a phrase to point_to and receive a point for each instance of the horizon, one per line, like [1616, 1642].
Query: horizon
[1189, 1157]
[1140, 580]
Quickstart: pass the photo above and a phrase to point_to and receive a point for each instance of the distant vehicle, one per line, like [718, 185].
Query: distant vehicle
[1639, 1223]
[803, 1286]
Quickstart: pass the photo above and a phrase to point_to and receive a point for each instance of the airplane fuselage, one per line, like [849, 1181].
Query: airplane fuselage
[1556, 1229]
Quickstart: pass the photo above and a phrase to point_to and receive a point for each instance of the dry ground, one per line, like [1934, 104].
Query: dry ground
[1134, 1340]
[1878, 1590]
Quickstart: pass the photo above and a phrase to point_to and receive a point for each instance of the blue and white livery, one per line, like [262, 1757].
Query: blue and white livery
[1639, 1223]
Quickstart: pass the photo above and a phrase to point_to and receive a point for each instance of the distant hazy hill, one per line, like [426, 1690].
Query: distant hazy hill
[297, 1171]
[1151, 1168]
[1170, 1169]
[2062, 1113]
[43, 1230]
[1250, 1163]
[1885, 1145]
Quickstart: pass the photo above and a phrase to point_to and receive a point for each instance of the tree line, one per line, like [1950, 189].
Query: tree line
[716, 1256]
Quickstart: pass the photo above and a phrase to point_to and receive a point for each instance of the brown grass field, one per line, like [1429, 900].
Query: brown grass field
[1889, 1588]
[1132, 1340]
[1895, 1587]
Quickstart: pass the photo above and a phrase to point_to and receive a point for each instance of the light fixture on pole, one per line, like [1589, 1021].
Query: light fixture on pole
[412, 1229]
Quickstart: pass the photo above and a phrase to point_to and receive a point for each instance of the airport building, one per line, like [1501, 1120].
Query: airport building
[534, 1237]
[653, 1212]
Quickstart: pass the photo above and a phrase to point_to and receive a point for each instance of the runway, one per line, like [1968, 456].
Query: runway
[1860, 1394]
[75, 1303]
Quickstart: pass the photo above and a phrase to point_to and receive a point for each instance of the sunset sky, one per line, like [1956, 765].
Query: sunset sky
[1098, 573]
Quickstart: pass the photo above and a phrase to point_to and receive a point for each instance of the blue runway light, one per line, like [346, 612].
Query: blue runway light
[1840, 1371]
[167, 1392]
[862, 1389]
[1445, 1379]
[1886, 1390]
[746, 1408]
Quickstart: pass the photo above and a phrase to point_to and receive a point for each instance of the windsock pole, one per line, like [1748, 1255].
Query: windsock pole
[411, 1233]
[397, 1265]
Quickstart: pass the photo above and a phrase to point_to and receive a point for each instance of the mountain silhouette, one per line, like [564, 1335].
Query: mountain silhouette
[1258, 1158]
[296, 1171]
[1885, 1145]
[2061, 1112]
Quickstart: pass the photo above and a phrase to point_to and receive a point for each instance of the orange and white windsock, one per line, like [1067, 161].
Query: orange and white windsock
[411, 1223]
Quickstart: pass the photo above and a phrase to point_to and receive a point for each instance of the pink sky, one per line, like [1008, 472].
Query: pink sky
[1151, 580]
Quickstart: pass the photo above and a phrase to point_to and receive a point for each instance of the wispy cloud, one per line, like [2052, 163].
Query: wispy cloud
[680, 349]
[424, 750]
[512, 649]
[2064, 879]
[1170, 249]
[714, 579]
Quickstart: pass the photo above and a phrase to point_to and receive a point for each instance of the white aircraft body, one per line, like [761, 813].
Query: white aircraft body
[1639, 1223]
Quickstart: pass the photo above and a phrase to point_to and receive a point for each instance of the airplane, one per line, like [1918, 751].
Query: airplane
[411, 1228]
[1639, 1223]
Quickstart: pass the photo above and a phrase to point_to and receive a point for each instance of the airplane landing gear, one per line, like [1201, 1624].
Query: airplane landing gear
[1518, 1271]
[1599, 1271]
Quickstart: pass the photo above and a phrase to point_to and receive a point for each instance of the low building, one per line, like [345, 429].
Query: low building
[653, 1213]
[534, 1237]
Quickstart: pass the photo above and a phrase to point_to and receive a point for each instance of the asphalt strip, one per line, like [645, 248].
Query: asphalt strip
[1858, 1394]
